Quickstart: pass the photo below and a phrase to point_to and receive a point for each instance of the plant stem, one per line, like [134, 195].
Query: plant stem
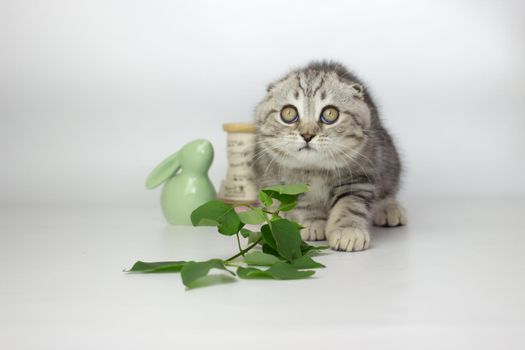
[239, 244]
[270, 212]
[242, 252]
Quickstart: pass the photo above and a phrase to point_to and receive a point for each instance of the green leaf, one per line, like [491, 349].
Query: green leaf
[254, 238]
[306, 262]
[265, 199]
[287, 238]
[252, 273]
[287, 206]
[299, 226]
[246, 233]
[260, 259]
[160, 266]
[286, 194]
[254, 216]
[269, 250]
[193, 271]
[221, 214]
[293, 189]
[307, 248]
[280, 271]
[267, 235]
[286, 201]
[285, 271]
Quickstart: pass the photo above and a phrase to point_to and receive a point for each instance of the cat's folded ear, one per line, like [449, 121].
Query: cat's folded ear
[359, 90]
[163, 171]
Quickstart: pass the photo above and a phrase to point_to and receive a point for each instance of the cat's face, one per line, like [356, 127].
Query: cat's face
[313, 119]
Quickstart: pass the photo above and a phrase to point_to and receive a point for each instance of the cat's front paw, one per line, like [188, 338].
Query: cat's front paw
[349, 239]
[389, 212]
[313, 230]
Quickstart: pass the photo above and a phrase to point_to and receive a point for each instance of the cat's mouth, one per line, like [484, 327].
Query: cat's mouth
[306, 148]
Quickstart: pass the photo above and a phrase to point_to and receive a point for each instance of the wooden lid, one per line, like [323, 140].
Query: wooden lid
[238, 127]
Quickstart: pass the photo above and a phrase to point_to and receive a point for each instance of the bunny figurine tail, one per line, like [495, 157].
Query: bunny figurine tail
[186, 182]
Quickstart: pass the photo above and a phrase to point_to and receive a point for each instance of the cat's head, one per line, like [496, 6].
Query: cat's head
[317, 116]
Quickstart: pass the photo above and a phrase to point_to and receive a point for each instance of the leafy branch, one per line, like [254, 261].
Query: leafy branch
[282, 250]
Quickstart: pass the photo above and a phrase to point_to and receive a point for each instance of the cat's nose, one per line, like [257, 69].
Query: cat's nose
[308, 137]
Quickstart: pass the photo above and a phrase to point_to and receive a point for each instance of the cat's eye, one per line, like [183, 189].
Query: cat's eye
[289, 114]
[329, 115]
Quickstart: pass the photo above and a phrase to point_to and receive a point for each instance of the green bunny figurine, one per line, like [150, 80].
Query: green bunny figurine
[187, 184]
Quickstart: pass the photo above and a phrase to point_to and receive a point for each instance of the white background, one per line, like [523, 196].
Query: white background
[93, 94]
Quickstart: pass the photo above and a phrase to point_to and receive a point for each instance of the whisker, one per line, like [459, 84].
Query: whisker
[356, 152]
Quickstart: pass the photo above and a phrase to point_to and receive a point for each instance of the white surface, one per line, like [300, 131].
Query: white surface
[93, 94]
[452, 279]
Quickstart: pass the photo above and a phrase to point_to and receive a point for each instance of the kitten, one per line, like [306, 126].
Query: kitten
[319, 126]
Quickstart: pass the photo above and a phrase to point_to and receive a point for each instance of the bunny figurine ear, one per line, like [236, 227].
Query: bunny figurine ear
[163, 171]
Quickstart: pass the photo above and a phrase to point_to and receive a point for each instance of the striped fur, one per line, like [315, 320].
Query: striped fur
[352, 166]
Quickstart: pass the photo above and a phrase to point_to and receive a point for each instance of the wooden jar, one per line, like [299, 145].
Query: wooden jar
[239, 186]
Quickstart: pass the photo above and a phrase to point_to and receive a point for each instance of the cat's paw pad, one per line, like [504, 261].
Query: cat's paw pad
[390, 213]
[349, 239]
[313, 230]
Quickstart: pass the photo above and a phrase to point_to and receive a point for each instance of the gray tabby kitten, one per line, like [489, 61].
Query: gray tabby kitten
[318, 126]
